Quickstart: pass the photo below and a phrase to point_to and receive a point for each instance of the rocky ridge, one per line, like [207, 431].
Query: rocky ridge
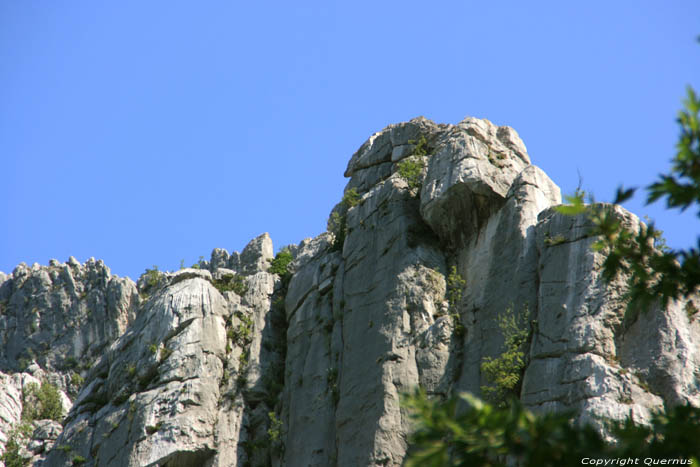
[230, 364]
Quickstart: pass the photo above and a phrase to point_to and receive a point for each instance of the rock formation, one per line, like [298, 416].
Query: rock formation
[230, 364]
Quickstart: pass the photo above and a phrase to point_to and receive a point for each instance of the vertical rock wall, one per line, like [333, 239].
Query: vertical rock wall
[229, 365]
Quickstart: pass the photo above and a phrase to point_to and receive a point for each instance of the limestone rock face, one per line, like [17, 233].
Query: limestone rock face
[586, 356]
[226, 364]
[468, 178]
[55, 322]
[191, 379]
[62, 316]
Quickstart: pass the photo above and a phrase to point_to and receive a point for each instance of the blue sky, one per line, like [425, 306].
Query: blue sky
[144, 133]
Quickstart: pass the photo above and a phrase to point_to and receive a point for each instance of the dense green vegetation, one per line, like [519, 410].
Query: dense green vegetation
[464, 431]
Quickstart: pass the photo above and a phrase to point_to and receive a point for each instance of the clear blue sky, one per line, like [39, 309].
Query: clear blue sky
[146, 132]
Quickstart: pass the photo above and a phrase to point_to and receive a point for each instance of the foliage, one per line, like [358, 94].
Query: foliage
[150, 429]
[411, 170]
[680, 187]
[338, 221]
[165, 352]
[455, 285]
[232, 282]
[464, 431]
[653, 273]
[41, 402]
[280, 264]
[351, 198]
[504, 373]
[479, 434]
[79, 460]
[76, 379]
[153, 276]
[421, 146]
[242, 379]
[556, 240]
[275, 430]
[337, 225]
[241, 335]
[11, 457]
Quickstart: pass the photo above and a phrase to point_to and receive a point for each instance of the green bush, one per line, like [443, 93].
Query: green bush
[76, 379]
[243, 333]
[150, 429]
[41, 402]
[455, 285]
[421, 146]
[338, 222]
[411, 170]
[337, 225]
[280, 264]
[351, 198]
[275, 430]
[504, 373]
[153, 276]
[11, 457]
[232, 282]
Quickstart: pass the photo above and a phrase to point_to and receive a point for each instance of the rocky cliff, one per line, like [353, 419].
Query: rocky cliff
[443, 228]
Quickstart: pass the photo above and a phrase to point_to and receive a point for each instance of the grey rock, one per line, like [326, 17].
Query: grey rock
[309, 372]
[189, 273]
[10, 405]
[256, 254]
[55, 321]
[467, 180]
[379, 147]
[585, 356]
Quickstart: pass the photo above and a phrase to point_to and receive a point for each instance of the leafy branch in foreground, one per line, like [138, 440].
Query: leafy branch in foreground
[653, 273]
[464, 431]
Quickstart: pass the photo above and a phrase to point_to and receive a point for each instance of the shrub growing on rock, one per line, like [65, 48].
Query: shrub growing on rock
[280, 264]
[41, 402]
